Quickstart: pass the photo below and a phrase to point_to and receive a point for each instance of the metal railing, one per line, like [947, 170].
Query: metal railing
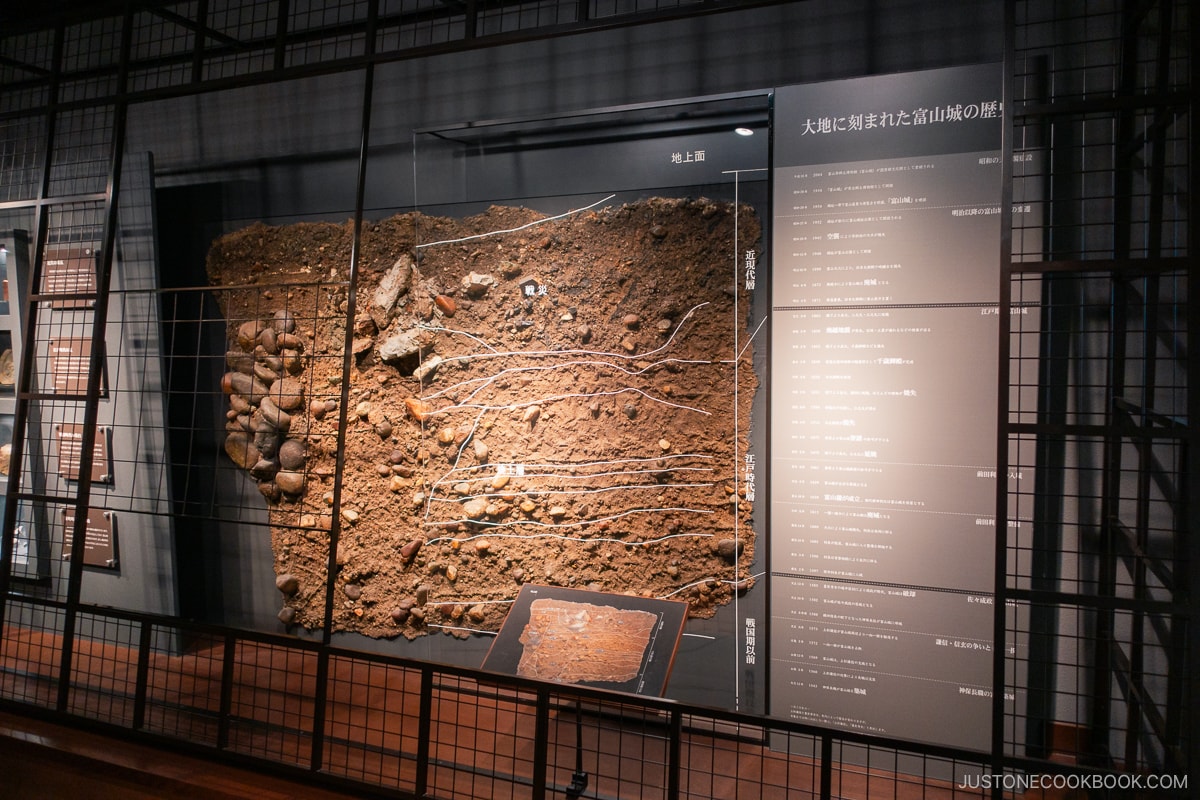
[397, 727]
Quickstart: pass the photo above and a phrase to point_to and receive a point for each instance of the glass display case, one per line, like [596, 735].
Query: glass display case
[545, 369]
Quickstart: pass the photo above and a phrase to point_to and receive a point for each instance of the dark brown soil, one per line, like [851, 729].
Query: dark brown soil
[583, 426]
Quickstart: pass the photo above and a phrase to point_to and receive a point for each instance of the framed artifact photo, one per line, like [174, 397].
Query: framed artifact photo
[607, 641]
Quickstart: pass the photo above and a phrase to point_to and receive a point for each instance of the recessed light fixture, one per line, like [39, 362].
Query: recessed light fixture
[743, 131]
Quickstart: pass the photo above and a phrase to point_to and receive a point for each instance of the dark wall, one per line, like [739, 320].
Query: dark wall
[289, 150]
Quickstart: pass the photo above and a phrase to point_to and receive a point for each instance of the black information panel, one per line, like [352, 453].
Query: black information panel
[613, 641]
[884, 324]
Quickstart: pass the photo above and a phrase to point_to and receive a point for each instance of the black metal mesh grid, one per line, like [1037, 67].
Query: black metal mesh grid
[59, 377]
[82, 156]
[867, 771]
[1030, 207]
[208, 482]
[192, 322]
[1080, 44]
[32, 650]
[625, 750]
[92, 45]
[308, 15]
[183, 685]
[407, 24]
[35, 549]
[134, 469]
[87, 89]
[159, 77]
[271, 713]
[1053, 527]
[132, 421]
[1077, 77]
[243, 21]
[26, 58]
[1065, 346]
[497, 18]
[24, 99]
[1098, 183]
[103, 672]
[319, 19]
[720, 759]
[481, 741]
[54, 418]
[373, 722]
[238, 63]
[1102, 91]
[1103, 524]
[1077, 736]
[22, 156]
[162, 34]
[326, 48]
[611, 8]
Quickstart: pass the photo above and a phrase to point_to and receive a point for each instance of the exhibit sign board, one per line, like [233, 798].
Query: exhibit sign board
[70, 365]
[69, 438]
[611, 641]
[70, 277]
[100, 537]
[884, 371]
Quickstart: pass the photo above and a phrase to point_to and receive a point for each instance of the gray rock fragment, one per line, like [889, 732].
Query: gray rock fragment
[395, 283]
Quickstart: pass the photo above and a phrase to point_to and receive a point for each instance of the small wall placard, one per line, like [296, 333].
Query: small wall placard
[70, 453]
[70, 272]
[70, 360]
[100, 537]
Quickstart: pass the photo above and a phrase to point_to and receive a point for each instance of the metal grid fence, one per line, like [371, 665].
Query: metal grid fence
[1104, 98]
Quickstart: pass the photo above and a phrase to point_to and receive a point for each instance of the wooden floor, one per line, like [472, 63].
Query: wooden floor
[481, 738]
[39, 759]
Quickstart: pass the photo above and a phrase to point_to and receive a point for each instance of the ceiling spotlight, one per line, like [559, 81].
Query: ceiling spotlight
[743, 131]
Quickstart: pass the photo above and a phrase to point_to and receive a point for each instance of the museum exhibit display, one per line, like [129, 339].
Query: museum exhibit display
[884, 476]
[560, 388]
[533, 399]
[541, 404]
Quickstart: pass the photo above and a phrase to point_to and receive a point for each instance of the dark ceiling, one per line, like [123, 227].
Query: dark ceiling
[29, 14]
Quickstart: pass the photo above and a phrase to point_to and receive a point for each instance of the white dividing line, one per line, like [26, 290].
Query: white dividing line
[518, 228]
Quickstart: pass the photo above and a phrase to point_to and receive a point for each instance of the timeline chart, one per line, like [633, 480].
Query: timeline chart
[888, 384]
[885, 339]
[869, 657]
[894, 232]
[835, 538]
[879, 474]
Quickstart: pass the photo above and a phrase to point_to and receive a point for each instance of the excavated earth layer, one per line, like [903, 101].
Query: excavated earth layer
[517, 400]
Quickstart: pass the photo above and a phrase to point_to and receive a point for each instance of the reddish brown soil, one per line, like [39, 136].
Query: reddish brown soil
[581, 428]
